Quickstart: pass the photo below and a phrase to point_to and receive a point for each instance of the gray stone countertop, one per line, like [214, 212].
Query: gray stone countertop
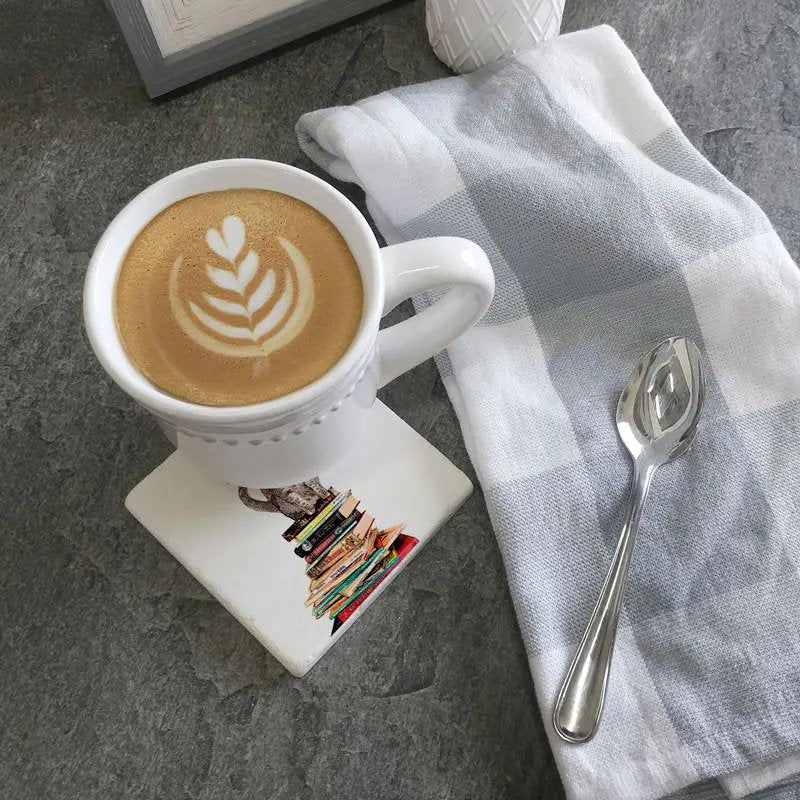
[120, 677]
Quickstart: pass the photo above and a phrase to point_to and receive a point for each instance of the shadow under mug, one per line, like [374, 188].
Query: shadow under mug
[301, 434]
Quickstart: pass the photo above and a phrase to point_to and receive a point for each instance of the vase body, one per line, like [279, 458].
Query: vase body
[466, 34]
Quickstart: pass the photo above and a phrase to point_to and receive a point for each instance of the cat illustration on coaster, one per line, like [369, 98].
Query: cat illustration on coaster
[237, 296]
[346, 555]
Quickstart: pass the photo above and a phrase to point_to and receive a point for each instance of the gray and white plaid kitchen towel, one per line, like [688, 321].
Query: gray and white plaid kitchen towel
[608, 232]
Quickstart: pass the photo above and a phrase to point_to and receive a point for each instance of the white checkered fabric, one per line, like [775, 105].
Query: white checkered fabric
[609, 232]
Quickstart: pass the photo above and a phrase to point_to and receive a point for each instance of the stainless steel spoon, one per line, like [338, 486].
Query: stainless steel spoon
[657, 417]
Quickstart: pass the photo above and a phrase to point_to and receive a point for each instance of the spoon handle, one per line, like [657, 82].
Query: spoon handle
[580, 701]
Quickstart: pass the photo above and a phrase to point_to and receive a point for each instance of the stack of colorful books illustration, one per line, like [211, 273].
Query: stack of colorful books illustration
[346, 554]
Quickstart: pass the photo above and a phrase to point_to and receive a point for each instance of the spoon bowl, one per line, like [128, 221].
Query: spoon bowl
[660, 405]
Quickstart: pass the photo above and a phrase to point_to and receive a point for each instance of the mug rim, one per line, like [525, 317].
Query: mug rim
[111, 352]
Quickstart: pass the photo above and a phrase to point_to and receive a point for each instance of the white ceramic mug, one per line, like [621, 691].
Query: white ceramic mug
[299, 435]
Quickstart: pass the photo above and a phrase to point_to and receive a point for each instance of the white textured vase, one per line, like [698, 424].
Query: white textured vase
[466, 34]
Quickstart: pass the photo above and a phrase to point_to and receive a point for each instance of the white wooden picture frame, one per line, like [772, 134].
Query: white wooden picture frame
[175, 42]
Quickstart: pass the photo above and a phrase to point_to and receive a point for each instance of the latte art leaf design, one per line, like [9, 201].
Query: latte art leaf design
[258, 335]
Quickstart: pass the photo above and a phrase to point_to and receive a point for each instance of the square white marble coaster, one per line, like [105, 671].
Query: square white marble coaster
[241, 557]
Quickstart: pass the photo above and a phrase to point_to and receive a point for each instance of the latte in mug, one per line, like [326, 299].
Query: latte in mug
[236, 297]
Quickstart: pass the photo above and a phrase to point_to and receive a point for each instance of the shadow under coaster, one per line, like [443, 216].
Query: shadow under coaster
[298, 595]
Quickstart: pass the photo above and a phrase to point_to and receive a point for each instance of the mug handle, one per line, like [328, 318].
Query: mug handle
[418, 266]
